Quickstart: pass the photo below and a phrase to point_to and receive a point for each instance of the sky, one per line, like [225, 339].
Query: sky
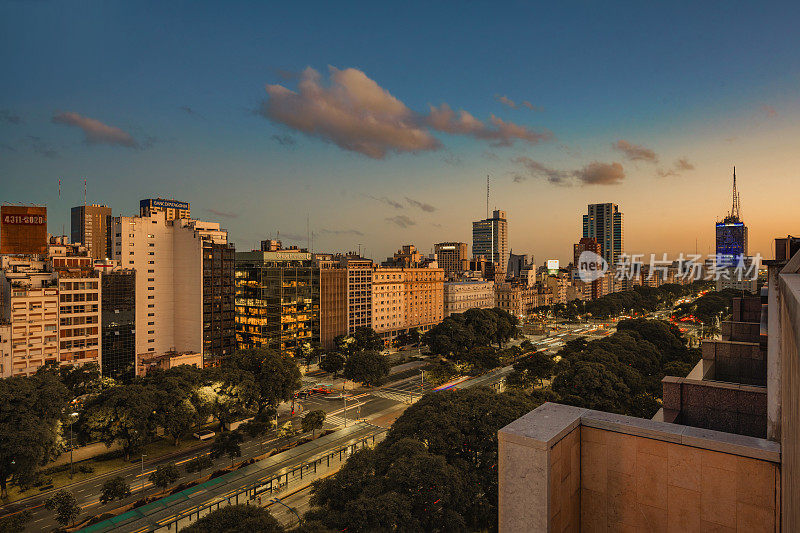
[372, 125]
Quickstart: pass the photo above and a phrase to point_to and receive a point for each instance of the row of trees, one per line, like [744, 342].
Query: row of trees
[709, 306]
[358, 357]
[460, 333]
[641, 299]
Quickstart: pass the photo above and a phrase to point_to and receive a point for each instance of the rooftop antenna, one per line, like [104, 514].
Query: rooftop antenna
[308, 234]
[84, 192]
[735, 205]
[487, 195]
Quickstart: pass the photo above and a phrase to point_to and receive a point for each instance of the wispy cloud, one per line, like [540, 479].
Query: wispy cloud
[532, 107]
[506, 101]
[635, 152]
[402, 221]
[341, 232]
[284, 140]
[222, 214]
[428, 208]
[769, 111]
[679, 166]
[41, 147]
[384, 200]
[9, 117]
[595, 173]
[353, 112]
[96, 132]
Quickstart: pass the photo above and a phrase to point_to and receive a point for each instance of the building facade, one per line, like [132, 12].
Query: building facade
[172, 209]
[490, 239]
[118, 319]
[277, 300]
[462, 295]
[219, 310]
[452, 258]
[359, 291]
[332, 304]
[23, 229]
[603, 222]
[90, 227]
[405, 299]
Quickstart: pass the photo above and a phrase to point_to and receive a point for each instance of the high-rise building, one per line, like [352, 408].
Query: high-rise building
[490, 239]
[219, 324]
[168, 256]
[277, 300]
[359, 291]
[118, 319]
[172, 208]
[731, 234]
[603, 222]
[90, 227]
[452, 258]
[332, 299]
[23, 229]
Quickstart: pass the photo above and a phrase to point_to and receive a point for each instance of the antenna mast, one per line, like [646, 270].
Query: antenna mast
[487, 195]
[735, 205]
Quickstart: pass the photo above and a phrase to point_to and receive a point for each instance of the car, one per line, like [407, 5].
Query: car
[204, 434]
[321, 389]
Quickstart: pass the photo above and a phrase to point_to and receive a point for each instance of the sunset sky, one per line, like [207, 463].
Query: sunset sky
[379, 122]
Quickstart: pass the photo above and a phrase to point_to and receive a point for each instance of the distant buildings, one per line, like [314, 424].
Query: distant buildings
[490, 240]
[603, 222]
[468, 294]
[452, 258]
[172, 209]
[90, 227]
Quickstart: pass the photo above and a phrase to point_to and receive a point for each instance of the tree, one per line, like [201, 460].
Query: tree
[32, 411]
[313, 421]
[367, 339]
[65, 505]
[536, 366]
[227, 443]
[237, 519]
[164, 476]
[333, 363]
[276, 376]
[198, 464]
[127, 415]
[114, 489]
[81, 379]
[369, 368]
[16, 523]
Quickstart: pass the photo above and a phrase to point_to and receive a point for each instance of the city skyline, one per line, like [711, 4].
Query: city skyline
[248, 108]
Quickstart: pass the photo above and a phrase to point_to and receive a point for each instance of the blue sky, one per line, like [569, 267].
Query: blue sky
[174, 89]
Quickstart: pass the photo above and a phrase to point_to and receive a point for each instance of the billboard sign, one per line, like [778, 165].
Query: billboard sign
[552, 266]
[23, 229]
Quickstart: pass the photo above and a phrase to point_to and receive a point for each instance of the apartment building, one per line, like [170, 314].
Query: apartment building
[469, 294]
[406, 298]
[359, 291]
[168, 257]
[219, 310]
[5, 349]
[332, 300]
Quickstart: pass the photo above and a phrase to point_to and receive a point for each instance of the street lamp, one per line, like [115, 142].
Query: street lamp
[71, 420]
[143, 456]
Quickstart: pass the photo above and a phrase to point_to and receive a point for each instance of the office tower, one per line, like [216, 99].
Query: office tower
[603, 222]
[90, 227]
[277, 300]
[219, 324]
[452, 258]
[359, 291]
[168, 256]
[731, 233]
[406, 298]
[23, 229]
[490, 239]
[332, 299]
[515, 265]
[173, 209]
[118, 323]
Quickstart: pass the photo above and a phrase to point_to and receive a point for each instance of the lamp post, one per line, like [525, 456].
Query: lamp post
[71, 420]
[143, 456]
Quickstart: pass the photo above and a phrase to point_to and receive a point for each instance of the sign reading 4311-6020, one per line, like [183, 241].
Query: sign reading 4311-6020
[26, 220]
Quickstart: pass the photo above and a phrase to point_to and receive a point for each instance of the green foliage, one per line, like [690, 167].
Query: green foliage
[275, 376]
[164, 476]
[82, 379]
[227, 443]
[533, 368]
[237, 519]
[313, 421]
[367, 367]
[127, 415]
[65, 505]
[367, 339]
[32, 422]
[435, 471]
[16, 522]
[441, 372]
[259, 425]
[460, 333]
[333, 363]
[198, 464]
[114, 489]
[710, 306]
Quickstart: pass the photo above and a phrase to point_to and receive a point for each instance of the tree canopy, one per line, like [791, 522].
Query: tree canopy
[237, 519]
[460, 333]
[275, 376]
[367, 367]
